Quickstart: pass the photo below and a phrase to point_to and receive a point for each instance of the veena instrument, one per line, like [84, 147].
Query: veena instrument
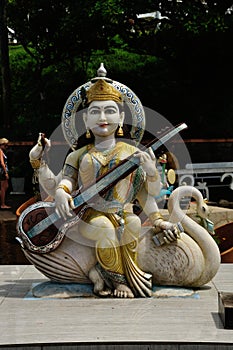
[41, 230]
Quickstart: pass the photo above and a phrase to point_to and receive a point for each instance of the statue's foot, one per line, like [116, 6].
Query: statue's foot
[105, 293]
[99, 285]
[122, 291]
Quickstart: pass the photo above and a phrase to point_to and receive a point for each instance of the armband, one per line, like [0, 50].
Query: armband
[64, 188]
[155, 216]
[35, 163]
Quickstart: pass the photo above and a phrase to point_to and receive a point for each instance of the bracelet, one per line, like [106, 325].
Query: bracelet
[35, 163]
[64, 188]
[155, 216]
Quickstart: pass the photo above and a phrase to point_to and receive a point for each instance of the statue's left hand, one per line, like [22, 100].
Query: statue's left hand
[170, 231]
[147, 161]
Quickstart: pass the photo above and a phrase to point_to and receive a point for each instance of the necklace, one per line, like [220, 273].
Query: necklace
[104, 157]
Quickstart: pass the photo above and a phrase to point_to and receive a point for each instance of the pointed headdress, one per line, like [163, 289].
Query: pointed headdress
[102, 88]
[103, 91]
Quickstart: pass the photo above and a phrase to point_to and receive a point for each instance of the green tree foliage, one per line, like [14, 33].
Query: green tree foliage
[58, 38]
[5, 102]
[194, 40]
[59, 31]
[177, 60]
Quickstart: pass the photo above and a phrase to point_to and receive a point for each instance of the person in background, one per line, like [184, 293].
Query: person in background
[4, 176]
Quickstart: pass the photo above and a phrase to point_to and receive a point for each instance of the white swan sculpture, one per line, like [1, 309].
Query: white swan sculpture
[191, 261]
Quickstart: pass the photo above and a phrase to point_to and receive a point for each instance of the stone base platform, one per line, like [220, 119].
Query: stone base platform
[82, 323]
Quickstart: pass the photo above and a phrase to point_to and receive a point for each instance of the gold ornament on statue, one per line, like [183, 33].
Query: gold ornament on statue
[88, 134]
[120, 131]
[103, 91]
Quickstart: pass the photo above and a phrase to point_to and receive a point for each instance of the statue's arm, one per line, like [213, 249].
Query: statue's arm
[152, 177]
[42, 173]
[151, 209]
[67, 185]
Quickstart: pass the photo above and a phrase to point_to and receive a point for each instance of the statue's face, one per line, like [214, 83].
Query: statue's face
[103, 118]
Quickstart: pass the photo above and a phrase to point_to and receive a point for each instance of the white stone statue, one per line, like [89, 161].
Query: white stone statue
[104, 246]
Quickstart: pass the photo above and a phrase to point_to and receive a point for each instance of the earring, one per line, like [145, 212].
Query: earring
[88, 134]
[120, 131]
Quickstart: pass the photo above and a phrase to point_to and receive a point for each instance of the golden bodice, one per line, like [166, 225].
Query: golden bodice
[94, 163]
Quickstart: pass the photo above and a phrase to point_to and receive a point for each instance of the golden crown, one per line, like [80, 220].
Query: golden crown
[103, 91]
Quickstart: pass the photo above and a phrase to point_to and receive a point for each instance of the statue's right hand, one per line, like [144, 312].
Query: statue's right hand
[62, 200]
[42, 141]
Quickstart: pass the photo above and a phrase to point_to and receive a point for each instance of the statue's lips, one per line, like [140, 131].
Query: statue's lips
[103, 125]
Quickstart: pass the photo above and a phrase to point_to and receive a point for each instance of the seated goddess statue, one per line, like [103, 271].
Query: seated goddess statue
[109, 220]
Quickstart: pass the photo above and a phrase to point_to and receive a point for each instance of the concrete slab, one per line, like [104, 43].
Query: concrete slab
[169, 323]
[154, 321]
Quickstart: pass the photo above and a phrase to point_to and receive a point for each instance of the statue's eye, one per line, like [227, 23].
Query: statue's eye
[110, 110]
[94, 111]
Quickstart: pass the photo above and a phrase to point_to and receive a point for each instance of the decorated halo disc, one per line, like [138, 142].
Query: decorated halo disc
[74, 101]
